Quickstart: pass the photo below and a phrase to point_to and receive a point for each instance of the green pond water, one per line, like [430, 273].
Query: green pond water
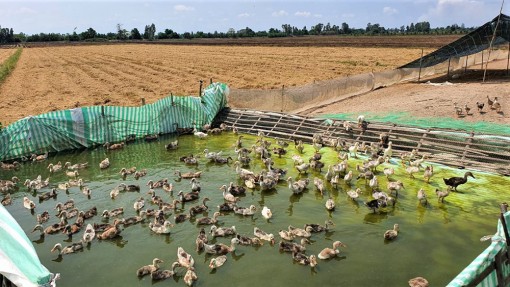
[436, 241]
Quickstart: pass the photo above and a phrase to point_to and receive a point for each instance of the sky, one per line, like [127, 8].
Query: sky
[66, 16]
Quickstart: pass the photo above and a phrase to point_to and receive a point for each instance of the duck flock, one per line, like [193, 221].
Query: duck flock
[162, 207]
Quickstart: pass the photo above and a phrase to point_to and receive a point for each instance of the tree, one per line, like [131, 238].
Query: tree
[345, 28]
[150, 32]
[121, 33]
[135, 34]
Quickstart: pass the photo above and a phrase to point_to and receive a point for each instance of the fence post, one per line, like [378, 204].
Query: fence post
[465, 67]
[482, 61]
[143, 101]
[508, 59]
[283, 88]
[421, 60]
[200, 89]
[448, 71]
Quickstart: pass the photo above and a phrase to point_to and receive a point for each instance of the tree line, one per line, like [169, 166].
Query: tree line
[421, 28]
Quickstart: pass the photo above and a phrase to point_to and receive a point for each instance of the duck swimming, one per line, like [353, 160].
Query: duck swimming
[328, 253]
[455, 181]
[147, 269]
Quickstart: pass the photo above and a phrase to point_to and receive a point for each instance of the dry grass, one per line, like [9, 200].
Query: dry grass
[50, 78]
[5, 53]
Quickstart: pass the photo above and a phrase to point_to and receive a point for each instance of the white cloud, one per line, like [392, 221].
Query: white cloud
[389, 11]
[183, 8]
[280, 13]
[243, 15]
[302, 14]
[445, 12]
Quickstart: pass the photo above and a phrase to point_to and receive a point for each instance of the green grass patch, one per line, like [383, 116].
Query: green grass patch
[9, 64]
[445, 123]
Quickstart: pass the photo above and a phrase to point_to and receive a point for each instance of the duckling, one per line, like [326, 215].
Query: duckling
[388, 171]
[148, 269]
[222, 231]
[395, 186]
[110, 146]
[348, 177]
[246, 211]
[303, 168]
[427, 174]
[220, 248]
[76, 182]
[43, 217]
[328, 253]
[41, 157]
[453, 182]
[199, 208]
[442, 194]
[113, 212]
[480, 107]
[354, 149]
[165, 206]
[129, 187]
[392, 233]
[217, 262]
[188, 175]
[139, 204]
[28, 204]
[190, 196]
[293, 246]
[221, 160]
[190, 275]
[64, 186]
[168, 187]
[330, 204]
[374, 204]
[319, 184]
[307, 232]
[156, 199]
[201, 239]
[75, 166]
[68, 249]
[54, 167]
[388, 152]
[458, 110]
[48, 195]
[73, 173]
[87, 191]
[236, 190]
[227, 206]
[295, 187]
[411, 170]
[172, 145]
[490, 102]
[374, 183]
[245, 240]
[496, 105]
[89, 234]
[184, 258]
[286, 235]
[303, 259]
[263, 235]
[179, 218]
[90, 213]
[161, 228]
[114, 193]
[124, 172]
[319, 228]
[266, 213]
[354, 194]
[227, 195]
[422, 196]
[195, 185]
[200, 135]
[52, 229]
[164, 274]
[208, 220]
[104, 164]
[141, 173]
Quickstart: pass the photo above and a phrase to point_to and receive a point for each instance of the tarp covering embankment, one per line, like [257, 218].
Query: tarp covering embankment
[19, 261]
[90, 126]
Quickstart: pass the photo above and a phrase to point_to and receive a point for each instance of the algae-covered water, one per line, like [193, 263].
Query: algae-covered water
[436, 240]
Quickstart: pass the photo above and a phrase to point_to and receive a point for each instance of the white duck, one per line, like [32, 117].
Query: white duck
[184, 258]
[353, 194]
[263, 235]
[28, 204]
[161, 228]
[217, 262]
[104, 164]
[328, 253]
[266, 212]
[330, 204]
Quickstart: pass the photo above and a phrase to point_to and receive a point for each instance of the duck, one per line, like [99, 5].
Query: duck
[303, 168]
[442, 194]
[328, 253]
[388, 152]
[52, 229]
[319, 228]
[87, 191]
[110, 146]
[158, 184]
[220, 248]
[374, 183]
[294, 186]
[104, 163]
[161, 228]
[114, 193]
[208, 220]
[303, 259]
[195, 185]
[247, 211]
[75, 166]
[374, 204]
[55, 167]
[172, 145]
[392, 233]
[112, 213]
[199, 208]
[330, 204]
[148, 269]
[354, 149]
[217, 262]
[222, 231]
[266, 213]
[73, 173]
[388, 171]
[64, 206]
[185, 259]
[48, 195]
[41, 157]
[227, 195]
[306, 232]
[190, 276]
[395, 186]
[227, 206]
[164, 274]
[129, 187]
[43, 217]
[89, 234]
[201, 239]
[236, 190]
[422, 196]
[140, 173]
[293, 246]
[68, 249]
[156, 199]
[134, 219]
[348, 177]
[286, 235]
[245, 240]
[179, 218]
[222, 160]
[7, 200]
[188, 175]
[354, 194]
[263, 235]
[411, 170]
[428, 172]
[28, 204]
[139, 204]
[200, 135]
[64, 186]
[111, 232]
[190, 196]
[453, 182]
[319, 184]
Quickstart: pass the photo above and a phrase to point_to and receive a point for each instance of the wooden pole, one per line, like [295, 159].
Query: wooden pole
[421, 60]
[143, 101]
[465, 67]
[200, 89]
[448, 71]
[508, 59]
[283, 88]
[482, 61]
[492, 40]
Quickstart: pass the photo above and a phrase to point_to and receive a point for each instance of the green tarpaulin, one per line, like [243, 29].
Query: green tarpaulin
[90, 126]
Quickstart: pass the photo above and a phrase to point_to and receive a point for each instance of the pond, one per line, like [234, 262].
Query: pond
[436, 240]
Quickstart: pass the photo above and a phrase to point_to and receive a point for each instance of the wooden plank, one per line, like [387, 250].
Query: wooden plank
[468, 142]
